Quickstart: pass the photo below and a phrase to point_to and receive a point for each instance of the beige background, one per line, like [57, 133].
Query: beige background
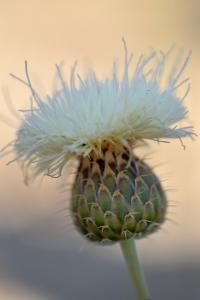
[48, 32]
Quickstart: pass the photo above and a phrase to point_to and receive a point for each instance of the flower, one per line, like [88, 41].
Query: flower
[77, 119]
[115, 195]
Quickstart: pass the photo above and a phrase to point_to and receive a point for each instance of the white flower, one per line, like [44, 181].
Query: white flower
[77, 118]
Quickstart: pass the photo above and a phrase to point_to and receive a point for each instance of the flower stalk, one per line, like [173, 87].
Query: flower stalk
[130, 254]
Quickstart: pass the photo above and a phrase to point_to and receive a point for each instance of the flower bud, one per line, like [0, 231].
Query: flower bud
[116, 196]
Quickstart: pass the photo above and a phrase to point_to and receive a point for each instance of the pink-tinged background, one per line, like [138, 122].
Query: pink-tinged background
[41, 256]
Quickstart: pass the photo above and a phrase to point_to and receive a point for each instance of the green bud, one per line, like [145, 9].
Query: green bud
[130, 222]
[89, 191]
[97, 214]
[149, 212]
[107, 233]
[83, 210]
[141, 226]
[112, 221]
[119, 205]
[110, 179]
[126, 234]
[104, 198]
[91, 226]
[116, 196]
[137, 207]
[142, 189]
[125, 186]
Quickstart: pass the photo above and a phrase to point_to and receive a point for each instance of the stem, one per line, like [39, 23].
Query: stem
[130, 254]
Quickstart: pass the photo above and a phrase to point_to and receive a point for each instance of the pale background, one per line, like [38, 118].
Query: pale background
[41, 256]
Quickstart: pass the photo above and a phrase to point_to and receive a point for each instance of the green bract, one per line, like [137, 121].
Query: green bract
[116, 196]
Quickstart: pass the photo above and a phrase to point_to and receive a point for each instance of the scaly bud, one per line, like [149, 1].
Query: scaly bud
[116, 196]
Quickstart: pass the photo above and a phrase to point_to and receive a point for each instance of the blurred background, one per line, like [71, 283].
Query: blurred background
[41, 255]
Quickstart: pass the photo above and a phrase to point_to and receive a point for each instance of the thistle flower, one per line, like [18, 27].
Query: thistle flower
[115, 195]
[99, 122]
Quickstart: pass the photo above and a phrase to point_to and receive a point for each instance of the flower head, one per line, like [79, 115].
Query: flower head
[115, 195]
[78, 118]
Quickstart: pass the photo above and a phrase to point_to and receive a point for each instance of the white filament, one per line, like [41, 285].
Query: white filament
[76, 119]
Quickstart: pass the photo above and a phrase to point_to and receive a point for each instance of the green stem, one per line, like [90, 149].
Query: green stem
[130, 254]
